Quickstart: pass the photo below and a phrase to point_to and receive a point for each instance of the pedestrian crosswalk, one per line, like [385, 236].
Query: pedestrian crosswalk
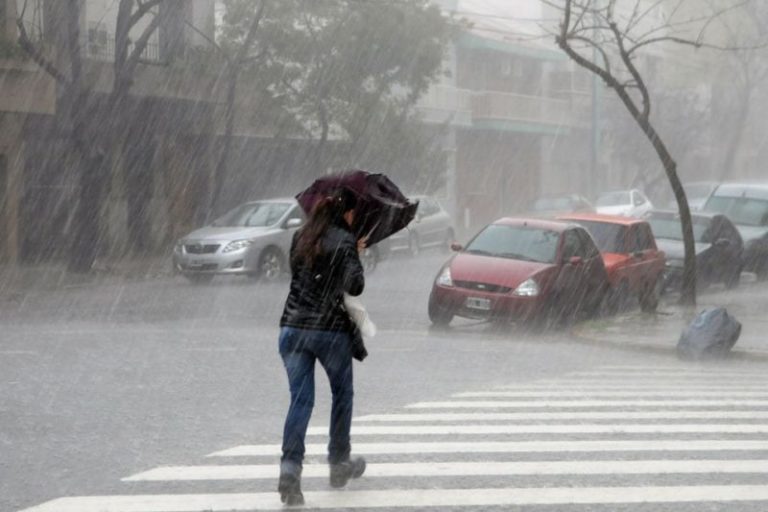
[616, 437]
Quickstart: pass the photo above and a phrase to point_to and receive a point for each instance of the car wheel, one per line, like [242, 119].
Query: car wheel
[413, 244]
[199, 278]
[649, 297]
[618, 298]
[439, 315]
[271, 264]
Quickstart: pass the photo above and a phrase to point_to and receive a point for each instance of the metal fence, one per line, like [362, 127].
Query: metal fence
[103, 49]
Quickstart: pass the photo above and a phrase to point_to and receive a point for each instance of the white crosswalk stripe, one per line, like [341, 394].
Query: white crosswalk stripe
[637, 425]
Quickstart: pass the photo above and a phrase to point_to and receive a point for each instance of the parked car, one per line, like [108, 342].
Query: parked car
[634, 264]
[432, 227]
[253, 239]
[697, 193]
[719, 247]
[528, 270]
[746, 205]
[629, 203]
[550, 206]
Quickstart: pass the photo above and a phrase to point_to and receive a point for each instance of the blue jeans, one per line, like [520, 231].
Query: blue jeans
[299, 349]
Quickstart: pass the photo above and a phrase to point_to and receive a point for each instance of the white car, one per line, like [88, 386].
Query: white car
[629, 203]
[253, 239]
[432, 227]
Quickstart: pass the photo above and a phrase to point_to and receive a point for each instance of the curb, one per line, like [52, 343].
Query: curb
[743, 354]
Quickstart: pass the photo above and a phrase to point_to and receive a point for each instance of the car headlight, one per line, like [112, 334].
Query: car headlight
[237, 245]
[528, 288]
[444, 279]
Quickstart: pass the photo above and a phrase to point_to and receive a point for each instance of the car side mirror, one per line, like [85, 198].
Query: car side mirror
[722, 243]
[294, 223]
[456, 247]
[575, 261]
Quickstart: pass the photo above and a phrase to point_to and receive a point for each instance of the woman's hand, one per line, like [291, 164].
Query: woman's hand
[362, 243]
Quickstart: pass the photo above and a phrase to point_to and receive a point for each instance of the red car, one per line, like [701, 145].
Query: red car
[635, 265]
[528, 270]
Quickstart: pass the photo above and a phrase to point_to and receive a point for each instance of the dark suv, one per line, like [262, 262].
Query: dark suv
[746, 205]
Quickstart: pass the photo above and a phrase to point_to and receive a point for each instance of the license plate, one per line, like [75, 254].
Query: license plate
[478, 303]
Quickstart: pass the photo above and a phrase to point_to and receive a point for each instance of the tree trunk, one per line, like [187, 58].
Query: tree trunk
[87, 232]
[688, 289]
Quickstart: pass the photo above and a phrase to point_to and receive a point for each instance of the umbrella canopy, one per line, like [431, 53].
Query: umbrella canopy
[382, 209]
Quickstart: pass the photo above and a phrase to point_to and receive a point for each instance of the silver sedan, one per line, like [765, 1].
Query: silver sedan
[253, 239]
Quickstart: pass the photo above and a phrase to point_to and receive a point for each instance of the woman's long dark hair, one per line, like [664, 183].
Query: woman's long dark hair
[328, 211]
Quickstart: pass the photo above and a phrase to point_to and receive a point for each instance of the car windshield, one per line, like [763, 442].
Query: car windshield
[253, 215]
[741, 210]
[608, 237]
[516, 242]
[614, 199]
[670, 228]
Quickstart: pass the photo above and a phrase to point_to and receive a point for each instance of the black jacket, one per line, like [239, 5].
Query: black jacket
[316, 297]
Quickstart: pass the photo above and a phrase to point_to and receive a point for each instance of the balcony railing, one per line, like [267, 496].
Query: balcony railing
[521, 108]
[466, 107]
[105, 50]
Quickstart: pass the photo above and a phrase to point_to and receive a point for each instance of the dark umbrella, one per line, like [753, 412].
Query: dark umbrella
[381, 211]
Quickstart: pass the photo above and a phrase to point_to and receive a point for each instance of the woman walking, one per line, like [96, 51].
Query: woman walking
[325, 264]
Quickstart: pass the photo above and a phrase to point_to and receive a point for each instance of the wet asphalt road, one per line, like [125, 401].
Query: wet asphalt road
[98, 382]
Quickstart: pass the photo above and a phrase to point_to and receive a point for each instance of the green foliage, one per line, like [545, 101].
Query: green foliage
[345, 69]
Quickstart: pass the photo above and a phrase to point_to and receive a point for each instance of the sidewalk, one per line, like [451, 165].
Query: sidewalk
[51, 276]
[661, 331]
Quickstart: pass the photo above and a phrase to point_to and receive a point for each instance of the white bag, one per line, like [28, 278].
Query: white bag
[359, 316]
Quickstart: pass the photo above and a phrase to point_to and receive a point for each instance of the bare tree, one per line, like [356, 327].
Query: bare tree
[90, 123]
[608, 43]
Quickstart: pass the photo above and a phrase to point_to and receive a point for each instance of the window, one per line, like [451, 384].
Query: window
[741, 210]
[614, 199]
[516, 242]
[572, 245]
[609, 237]
[641, 239]
[590, 250]
[253, 215]
[32, 16]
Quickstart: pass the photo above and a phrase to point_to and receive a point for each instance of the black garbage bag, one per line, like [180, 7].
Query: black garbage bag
[711, 335]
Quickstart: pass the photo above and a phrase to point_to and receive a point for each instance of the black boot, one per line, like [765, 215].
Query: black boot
[289, 485]
[343, 471]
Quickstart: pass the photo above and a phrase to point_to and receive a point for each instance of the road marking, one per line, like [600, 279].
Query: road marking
[650, 374]
[585, 403]
[440, 469]
[641, 383]
[591, 415]
[677, 369]
[18, 353]
[413, 498]
[601, 386]
[669, 382]
[274, 450]
[606, 394]
[612, 428]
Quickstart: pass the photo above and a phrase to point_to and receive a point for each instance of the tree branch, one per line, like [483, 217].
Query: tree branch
[627, 59]
[36, 54]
